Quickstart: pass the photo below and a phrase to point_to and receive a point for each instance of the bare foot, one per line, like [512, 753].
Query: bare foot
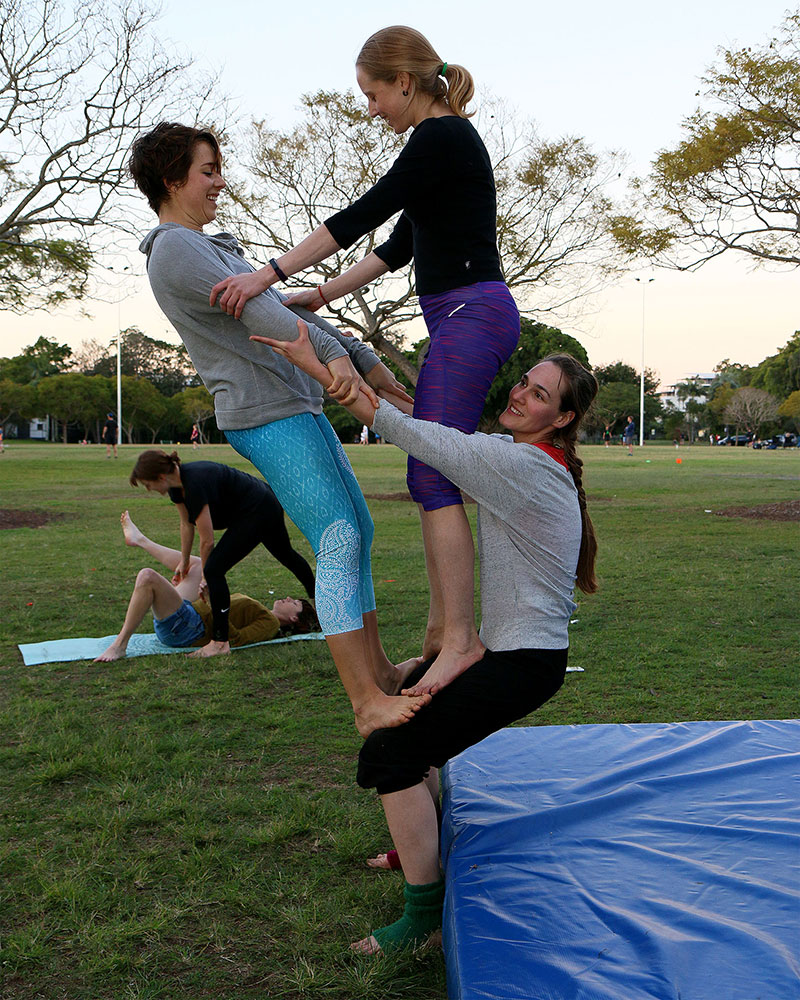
[212, 648]
[444, 669]
[132, 534]
[382, 863]
[387, 711]
[395, 676]
[432, 643]
[367, 946]
[114, 652]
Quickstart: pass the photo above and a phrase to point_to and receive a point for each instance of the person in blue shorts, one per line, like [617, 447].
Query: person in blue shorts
[182, 616]
[211, 496]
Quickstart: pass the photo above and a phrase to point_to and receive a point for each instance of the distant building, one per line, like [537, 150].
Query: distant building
[669, 394]
[38, 429]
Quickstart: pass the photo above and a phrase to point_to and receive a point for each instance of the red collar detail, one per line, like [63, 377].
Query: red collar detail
[553, 452]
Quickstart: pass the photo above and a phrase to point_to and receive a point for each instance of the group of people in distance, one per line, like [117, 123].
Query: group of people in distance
[266, 359]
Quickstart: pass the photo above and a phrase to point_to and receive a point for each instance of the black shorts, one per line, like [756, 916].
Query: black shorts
[497, 690]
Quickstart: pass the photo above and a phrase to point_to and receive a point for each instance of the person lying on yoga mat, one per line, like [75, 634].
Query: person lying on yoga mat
[210, 497]
[181, 615]
[536, 543]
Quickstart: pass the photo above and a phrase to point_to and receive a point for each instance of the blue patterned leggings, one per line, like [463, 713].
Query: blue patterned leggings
[303, 461]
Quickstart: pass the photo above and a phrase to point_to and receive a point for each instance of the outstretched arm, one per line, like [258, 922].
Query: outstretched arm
[360, 274]
[187, 541]
[360, 400]
[233, 292]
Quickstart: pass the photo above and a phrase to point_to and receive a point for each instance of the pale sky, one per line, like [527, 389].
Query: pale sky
[621, 74]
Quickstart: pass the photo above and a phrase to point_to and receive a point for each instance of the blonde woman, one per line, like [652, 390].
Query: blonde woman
[443, 186]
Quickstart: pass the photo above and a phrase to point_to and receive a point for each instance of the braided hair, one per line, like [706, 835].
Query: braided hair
[578, 388]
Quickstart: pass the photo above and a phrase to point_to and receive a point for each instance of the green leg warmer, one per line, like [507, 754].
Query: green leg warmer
[422, 915]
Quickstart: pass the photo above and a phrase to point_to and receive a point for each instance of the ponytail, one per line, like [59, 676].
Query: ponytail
[585, 576]
[404, 50]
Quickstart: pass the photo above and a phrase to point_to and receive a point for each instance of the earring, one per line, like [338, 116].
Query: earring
[405, 93]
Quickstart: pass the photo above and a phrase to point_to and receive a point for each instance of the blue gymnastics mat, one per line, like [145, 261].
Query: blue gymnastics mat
[640, 862]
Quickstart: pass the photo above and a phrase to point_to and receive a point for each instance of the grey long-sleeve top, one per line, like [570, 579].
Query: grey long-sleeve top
[529, 526]
[251, 384]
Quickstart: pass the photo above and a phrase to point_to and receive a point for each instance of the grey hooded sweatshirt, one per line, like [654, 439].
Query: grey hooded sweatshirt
[250, 383]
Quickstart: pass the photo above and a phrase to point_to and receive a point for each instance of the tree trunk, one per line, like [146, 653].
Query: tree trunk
[408, 368]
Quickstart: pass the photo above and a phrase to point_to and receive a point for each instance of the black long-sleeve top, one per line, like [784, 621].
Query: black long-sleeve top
[442, 182]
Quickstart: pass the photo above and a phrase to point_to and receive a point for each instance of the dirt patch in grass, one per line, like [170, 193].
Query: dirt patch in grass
[27, 518]
[788, 510]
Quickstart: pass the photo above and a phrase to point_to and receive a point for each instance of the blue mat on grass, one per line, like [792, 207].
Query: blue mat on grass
[625, 862]
[62, 650]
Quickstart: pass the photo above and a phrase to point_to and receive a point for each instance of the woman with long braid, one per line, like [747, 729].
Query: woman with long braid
[536, 543]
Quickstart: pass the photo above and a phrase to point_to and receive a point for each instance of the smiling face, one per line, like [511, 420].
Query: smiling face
[194, 202]
[534, 405]
[385, 100]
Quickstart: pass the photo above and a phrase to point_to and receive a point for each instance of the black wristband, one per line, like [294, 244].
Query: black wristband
[274, 265]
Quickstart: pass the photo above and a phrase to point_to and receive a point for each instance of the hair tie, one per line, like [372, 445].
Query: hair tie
[443, 70]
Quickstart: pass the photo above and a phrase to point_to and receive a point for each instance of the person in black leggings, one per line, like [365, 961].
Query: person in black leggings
[210, 497]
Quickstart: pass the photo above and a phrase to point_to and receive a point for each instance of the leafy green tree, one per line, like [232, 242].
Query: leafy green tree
[731, 183]
[721, 396]
[618, 371]
[779, 374]
[613, 403]
[16, 400]
[166, 365]
[143, 406]
[73, 398]
[790, 408]
[45, 357]
[693, 392]
[732, 373]
[536, 341]
[197, 404]
[77, 82]
[619, 396]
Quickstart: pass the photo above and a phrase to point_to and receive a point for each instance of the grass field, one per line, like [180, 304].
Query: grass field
[172, 828]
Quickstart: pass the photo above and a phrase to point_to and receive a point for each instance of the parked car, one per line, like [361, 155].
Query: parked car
[787, 440]
[736, 439]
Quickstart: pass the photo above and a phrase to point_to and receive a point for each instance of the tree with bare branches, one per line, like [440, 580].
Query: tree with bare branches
[78, 79]
[751, 408]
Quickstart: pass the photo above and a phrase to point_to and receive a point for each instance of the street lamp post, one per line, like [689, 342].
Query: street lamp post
[119, 383]
[644, 283]
[119, 359]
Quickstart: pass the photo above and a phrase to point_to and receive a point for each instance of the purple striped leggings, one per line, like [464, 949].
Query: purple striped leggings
[473, 332]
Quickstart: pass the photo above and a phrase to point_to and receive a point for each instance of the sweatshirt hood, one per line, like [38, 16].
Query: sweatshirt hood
[225, 241]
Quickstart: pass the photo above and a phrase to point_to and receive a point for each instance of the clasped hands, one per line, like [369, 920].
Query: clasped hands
[339, 378]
